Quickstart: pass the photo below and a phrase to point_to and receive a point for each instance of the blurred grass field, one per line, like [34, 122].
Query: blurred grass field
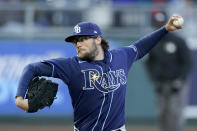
[65, 124]
[70, 128]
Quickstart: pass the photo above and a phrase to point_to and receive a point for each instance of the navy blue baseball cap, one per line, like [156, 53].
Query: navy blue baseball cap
[84, 29]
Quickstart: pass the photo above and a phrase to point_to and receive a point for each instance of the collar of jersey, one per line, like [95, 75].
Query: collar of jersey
[105, 61]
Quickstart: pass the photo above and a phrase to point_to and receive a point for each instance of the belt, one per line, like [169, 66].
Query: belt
[122, 128]
[75, 129]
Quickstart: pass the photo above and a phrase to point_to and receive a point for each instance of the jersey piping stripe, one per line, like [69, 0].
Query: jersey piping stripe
[101, 68]
[99, 112]
[135, 49]
[108, 110]
[53, 67]
[110, 56]
[136, 53]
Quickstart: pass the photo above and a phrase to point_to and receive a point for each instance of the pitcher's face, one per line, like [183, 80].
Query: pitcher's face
[86, 47]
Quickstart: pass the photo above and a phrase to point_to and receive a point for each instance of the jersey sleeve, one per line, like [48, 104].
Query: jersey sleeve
[31, 71]
[145, 44]
[140, 48]
[127, 55]
[57, 68]
[64, 67]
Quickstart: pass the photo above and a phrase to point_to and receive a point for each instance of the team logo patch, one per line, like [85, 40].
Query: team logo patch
[77, 29]
[95, 77]
[104, 82]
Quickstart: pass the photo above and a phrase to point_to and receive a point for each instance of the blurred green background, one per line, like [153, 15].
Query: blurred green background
[45, 23]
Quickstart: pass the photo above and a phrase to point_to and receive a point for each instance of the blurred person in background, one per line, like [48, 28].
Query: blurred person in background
[43, 18]
[169, 64]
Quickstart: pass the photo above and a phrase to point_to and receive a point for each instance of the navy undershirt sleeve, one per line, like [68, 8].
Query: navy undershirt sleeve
[31, 71]
[145, 44]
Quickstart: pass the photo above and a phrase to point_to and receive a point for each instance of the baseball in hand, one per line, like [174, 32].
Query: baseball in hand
[178, 22]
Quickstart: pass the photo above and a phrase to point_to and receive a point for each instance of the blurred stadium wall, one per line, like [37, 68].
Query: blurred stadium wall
[33, 30]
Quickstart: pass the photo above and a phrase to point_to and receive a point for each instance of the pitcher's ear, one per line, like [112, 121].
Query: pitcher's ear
[98, 40]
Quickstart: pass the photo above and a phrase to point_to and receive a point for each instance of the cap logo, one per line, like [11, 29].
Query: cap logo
[95, 32]
[77, 29]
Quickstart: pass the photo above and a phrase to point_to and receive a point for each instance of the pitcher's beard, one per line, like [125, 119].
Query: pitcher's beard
[90, 56]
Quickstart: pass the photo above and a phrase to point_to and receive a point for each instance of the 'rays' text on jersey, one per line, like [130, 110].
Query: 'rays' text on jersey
[105, 82]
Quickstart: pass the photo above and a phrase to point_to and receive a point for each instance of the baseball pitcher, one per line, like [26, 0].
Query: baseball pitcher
[96, 77]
